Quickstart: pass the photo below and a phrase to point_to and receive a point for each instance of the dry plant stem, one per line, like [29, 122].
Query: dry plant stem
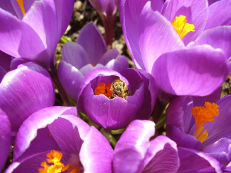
[58, 85]
[108, 22]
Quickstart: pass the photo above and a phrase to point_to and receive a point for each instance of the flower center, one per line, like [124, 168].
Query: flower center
[118, 88]
[53, 164]
[20, 3]
[181, 26]
[202, 115]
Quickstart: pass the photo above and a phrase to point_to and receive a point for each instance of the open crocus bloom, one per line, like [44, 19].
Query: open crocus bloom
[155, 31]
[5, 138]
[137, 152]
[33, 27]
[88, 53]
[113, 99]
[202, 127]
[24, 91]
[54, 139]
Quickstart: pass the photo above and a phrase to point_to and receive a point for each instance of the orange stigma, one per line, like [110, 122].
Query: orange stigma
[181, 26]
[104, 89]
[202, 115]
[20, 3]
[55, 165]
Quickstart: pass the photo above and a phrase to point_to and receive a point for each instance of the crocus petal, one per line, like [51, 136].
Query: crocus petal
[29, 164]
[74, 54]
[157, 36]
[16, 62]
[8, 6]
[212, 1]
[17, 10]
[92, 157]
[196, 71]
[214, 97]
[150, 90]
[49, 31]
[35, 135]
[16, 35]
[162, 152]
[177, 111]
[69, 139]
[221, 150]
[217, 19]
[196, 162]
[196, 12]
[129, 17]
[89, 67]
[88, 37]
[71, 78]
[219, 37]
[221, 126]
[5, 138]
[130, 150]
[182, 138]
[119, 64]
[109, 55]
[24, 91]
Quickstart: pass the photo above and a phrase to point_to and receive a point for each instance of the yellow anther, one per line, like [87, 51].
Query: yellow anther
[56, 166]
[20, 3]
[202, 115]
[181, 26]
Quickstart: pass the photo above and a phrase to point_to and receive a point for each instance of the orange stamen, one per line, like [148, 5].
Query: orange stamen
[55, 165]
[202, 115]
[104, 89]
[20, 3]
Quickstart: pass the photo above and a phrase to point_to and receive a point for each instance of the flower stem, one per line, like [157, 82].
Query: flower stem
[108, 22]
[58, 85]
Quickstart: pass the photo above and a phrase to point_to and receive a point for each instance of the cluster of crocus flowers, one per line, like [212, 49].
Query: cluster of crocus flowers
[78, 59]
[90, 113]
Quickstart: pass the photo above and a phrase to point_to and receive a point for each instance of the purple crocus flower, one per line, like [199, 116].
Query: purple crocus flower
[32, 29]
[24, 91]
[107, 10]
[5, 138]
[88, 53]
[113, 99]
[55, 139]
[157, 34]
[201, 127]
[135, 152]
